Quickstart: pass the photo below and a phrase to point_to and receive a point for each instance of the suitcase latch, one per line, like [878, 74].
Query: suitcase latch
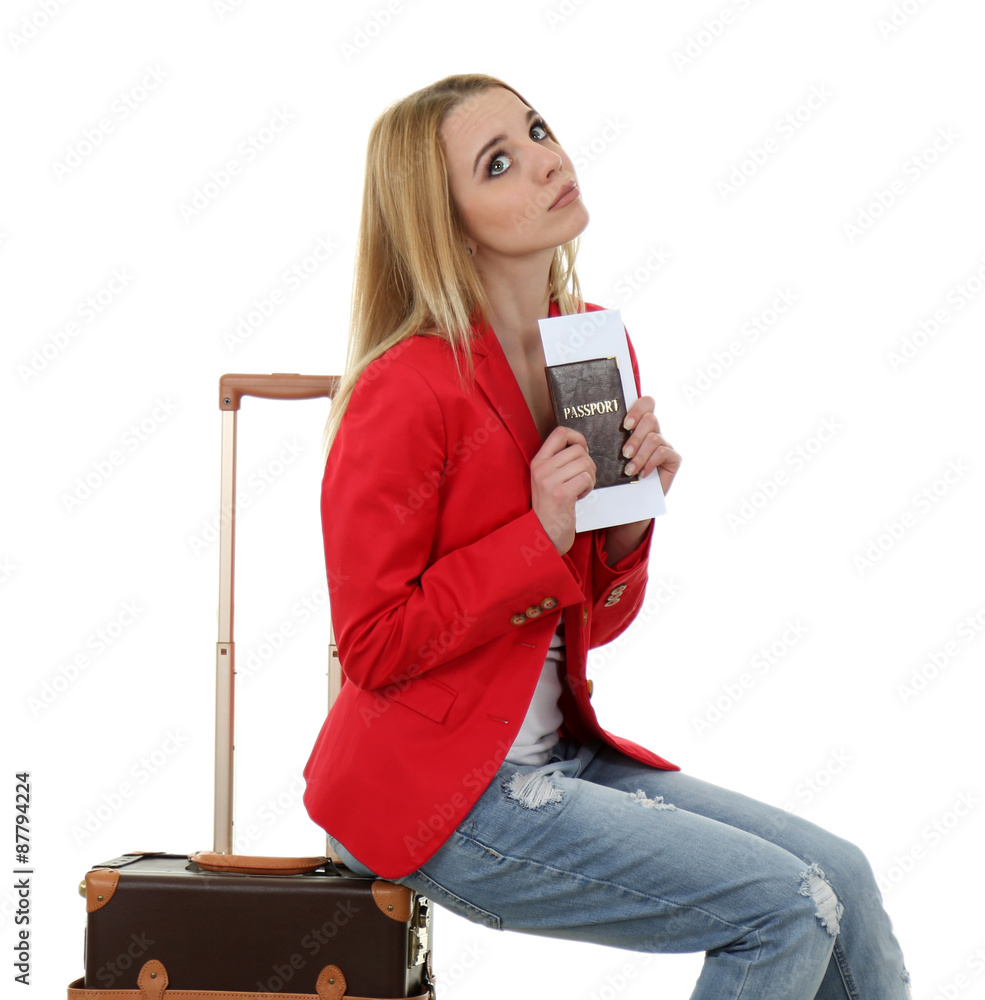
[420, 932]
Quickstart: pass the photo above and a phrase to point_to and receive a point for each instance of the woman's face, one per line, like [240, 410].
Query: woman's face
[514, 186]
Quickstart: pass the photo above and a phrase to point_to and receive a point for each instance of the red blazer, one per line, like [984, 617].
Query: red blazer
[445, 591]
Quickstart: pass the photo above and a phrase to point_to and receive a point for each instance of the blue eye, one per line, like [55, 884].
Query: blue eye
[501, 161]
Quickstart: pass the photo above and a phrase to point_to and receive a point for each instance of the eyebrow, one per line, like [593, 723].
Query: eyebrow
[499, 138]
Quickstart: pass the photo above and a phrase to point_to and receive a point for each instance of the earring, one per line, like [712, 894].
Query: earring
[469, 250]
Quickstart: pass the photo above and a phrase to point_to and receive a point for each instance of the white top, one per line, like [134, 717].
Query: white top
[538, 734]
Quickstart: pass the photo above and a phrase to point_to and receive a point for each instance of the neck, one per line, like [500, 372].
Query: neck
[518, 294]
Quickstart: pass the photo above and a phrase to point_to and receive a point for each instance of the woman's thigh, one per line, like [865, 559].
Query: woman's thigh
[811, 843]
[828, 856]
[544, 851]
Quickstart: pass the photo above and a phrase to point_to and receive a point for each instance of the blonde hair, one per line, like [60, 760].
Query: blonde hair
[413, 273]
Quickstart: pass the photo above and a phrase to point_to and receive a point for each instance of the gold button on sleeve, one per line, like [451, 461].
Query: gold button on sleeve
[533, 611]
[549, 603]
[519, 619]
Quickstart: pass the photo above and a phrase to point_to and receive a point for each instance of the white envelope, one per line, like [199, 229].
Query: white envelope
[601, 334]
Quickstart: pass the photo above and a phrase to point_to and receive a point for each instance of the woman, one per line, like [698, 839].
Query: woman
[462, 757]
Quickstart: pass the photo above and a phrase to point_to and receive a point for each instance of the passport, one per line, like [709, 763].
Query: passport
[587, 396]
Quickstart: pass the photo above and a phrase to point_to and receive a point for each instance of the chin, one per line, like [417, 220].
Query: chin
[578, 225]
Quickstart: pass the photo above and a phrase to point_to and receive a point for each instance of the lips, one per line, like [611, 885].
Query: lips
[568, 194]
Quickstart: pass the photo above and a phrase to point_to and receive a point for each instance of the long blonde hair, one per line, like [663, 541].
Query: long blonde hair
[413, 273]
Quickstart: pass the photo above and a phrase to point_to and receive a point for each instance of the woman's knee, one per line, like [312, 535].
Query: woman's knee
[848, 870]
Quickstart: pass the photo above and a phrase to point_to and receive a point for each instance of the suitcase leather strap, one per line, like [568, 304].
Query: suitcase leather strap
[250, 864]
[152, 984]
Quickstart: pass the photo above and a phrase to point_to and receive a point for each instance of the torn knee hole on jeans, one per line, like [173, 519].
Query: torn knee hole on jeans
[828, 910]
[657, 802]
[532, 789]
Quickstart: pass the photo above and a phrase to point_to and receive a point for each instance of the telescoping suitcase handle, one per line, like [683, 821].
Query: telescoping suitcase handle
[231, 390]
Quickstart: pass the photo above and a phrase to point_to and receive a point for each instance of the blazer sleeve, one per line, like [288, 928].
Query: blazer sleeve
[398, 609]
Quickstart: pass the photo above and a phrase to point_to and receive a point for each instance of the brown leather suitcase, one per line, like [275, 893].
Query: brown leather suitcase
[165, 926]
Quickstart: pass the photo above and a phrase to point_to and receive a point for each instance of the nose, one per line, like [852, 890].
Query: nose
[552, 161]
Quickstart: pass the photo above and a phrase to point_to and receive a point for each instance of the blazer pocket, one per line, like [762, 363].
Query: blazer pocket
[427, 696]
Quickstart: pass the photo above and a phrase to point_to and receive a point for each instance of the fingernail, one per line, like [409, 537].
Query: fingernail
[629, 423]
[628, 451]
[631, 468]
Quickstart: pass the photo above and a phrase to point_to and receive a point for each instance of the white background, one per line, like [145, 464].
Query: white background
[660, 105]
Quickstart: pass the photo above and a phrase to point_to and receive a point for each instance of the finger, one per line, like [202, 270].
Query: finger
[577, 472]
[664, 460]
[654, 451]
[642, 405]
[647, 425]
[559, 439]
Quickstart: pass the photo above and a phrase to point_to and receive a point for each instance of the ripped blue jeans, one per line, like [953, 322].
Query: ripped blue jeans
[593, 846]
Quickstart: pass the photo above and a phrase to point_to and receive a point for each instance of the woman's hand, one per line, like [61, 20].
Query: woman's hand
[647, 448]
[560, 473]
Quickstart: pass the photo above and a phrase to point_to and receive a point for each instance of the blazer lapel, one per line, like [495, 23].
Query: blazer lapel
[495, 378]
